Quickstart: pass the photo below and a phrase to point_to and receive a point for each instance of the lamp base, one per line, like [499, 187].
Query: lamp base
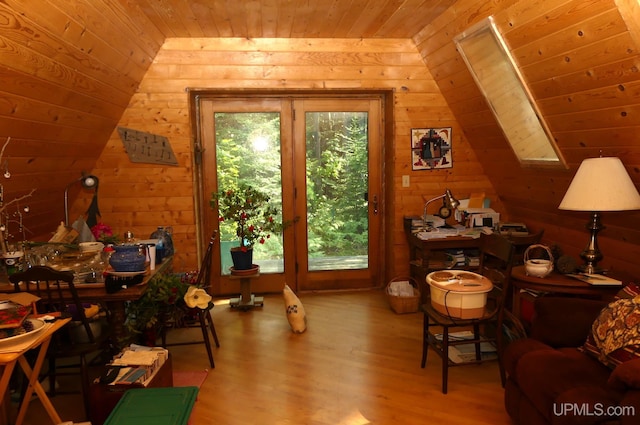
[591, 254]
[591, 269]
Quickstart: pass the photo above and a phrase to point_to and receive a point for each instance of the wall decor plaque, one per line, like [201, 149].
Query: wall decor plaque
[146, 147]
[431, 148]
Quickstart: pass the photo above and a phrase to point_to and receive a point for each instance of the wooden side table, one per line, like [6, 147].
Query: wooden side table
[556, 283]
[246, 300]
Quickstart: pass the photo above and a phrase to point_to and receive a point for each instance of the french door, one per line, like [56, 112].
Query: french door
[319, 159]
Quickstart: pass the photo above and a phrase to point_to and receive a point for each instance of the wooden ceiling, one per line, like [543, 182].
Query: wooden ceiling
[292, 18]
[71, 71]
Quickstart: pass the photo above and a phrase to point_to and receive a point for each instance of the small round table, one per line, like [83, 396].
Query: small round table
[555, 283]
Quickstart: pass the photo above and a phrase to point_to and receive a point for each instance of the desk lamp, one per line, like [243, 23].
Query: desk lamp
[600, 184]
[449, 202]
[88, 182]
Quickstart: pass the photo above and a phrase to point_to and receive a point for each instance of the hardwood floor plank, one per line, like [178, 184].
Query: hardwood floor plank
[358, 363]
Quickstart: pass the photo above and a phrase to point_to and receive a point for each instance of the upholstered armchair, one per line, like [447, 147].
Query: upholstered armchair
[580, 365]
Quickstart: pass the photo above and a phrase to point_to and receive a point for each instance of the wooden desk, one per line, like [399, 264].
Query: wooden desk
[8, 362]
[115, 302]
[423, 251]
[555, 283]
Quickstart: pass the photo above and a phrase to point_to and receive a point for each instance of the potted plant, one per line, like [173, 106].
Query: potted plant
[164, 296]
[254, 216]
[167, 300]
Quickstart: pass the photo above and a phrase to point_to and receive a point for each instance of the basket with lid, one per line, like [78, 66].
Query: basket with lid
[459, 294]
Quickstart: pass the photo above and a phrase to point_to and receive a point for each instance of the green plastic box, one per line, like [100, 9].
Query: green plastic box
[154, 406]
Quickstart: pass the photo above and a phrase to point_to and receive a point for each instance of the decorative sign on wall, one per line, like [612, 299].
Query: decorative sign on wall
[431, 148]
[146, 147]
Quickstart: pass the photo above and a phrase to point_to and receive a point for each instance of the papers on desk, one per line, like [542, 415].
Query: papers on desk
[596, 279]
[445, 232]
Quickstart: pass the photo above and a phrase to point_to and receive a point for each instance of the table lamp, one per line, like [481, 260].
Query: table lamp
[449, 202]
[600, 184]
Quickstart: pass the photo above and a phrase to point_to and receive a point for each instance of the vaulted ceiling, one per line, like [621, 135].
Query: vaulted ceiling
[69, 69]
[293, 18]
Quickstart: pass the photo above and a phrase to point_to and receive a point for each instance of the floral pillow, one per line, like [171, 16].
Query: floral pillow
[615, 334]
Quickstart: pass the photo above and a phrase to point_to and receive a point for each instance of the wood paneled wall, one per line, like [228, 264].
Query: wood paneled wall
[581, 59]
[69, 70]
[141, 196]
[66, 76]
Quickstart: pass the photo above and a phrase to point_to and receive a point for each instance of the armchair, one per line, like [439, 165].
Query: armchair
[559, 376]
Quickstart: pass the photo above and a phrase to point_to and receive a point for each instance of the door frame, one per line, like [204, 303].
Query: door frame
[204, 217]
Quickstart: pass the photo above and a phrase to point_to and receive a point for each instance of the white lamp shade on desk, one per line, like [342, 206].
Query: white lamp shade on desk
[601, 184]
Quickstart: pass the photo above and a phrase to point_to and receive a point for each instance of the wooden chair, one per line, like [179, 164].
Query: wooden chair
[205, 319]
[80, 338]
[496, 260]
[521, 243]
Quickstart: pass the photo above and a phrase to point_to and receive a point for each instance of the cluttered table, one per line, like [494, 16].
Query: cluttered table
[114, 298]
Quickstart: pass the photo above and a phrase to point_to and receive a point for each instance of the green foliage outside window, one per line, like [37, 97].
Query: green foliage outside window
[337, 175]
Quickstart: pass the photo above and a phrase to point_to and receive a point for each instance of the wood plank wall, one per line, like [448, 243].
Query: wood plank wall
[163, 195]
[66, 76]
[580, 58]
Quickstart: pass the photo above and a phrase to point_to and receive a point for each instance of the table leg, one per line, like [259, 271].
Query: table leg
[117, 320]
[34, 385]
[7, 370]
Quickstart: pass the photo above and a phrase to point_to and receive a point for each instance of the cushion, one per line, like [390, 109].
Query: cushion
[295, 311]
[630, 290]
[615, 334]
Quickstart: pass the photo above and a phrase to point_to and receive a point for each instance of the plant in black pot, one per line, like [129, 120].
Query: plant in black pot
[247, 212]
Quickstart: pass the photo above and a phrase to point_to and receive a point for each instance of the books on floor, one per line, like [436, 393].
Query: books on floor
[138, 364]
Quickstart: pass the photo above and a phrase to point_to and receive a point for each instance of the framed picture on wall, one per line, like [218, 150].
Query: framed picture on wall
[431, 148]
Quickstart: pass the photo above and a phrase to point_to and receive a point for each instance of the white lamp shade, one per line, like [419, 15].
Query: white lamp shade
[601, 184]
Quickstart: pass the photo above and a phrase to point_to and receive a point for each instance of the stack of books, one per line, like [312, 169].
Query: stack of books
[472, 258]
[457, 257]
[138, 364]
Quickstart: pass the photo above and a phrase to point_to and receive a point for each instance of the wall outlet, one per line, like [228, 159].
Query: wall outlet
[405, 181]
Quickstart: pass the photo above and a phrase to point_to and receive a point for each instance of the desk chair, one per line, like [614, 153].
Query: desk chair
[78, 339]
[521, 243]
[205, 319]
[496, 261]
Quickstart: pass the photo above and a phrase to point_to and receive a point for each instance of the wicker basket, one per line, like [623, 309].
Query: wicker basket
[538, 267]
[402, 305]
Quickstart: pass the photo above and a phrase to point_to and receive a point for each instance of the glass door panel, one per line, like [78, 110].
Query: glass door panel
[337, 185]
[248, 152]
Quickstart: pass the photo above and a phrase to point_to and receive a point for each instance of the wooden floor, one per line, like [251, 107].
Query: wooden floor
[358, 363]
